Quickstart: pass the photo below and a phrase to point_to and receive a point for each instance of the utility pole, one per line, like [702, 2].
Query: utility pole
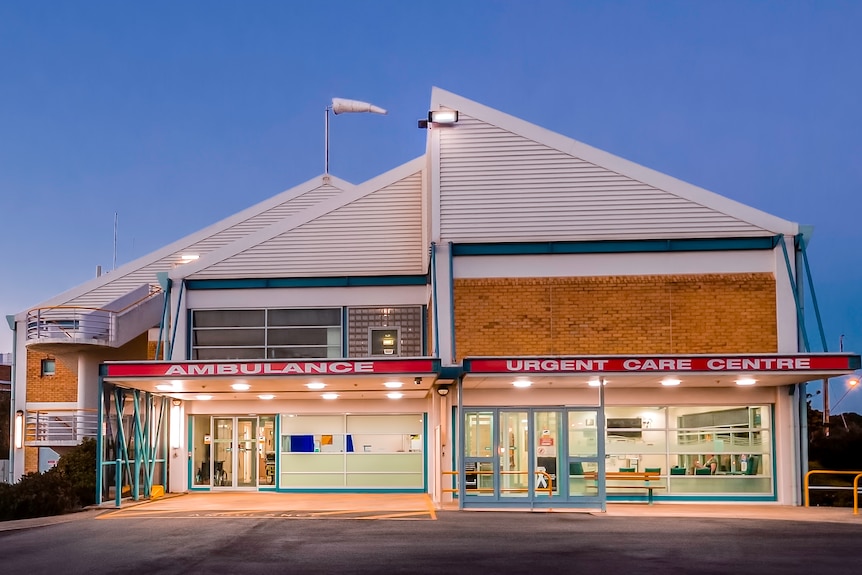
[826, 406]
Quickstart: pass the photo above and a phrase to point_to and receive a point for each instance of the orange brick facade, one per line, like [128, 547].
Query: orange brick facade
[60, 387]
[674, 314]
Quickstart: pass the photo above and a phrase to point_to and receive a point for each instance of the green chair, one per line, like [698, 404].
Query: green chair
[752, 465]
[652, 470]
[627, 469]
[703, 471]
[576, 468]
[677, 470]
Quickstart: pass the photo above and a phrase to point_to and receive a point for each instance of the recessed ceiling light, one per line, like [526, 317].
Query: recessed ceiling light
[522, 382]
[203, 397]
[315, 385]
[393, 384]
[266, 396]
[668, 382]
[165, 387]
[597, 382]
[241, 386]
[745, 381]
[329, 395]
[394, 395]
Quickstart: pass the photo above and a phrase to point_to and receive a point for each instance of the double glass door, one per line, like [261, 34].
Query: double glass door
[531, 455]
[235, 452]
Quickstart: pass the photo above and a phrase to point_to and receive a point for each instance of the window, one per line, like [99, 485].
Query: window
[368, 327]
[682, 441]
[308, 333]
[365, 451]
[49, 367]
[384, 340]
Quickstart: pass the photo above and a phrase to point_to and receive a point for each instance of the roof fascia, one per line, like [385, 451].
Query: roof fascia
[442, 98]
[188, 241]
[307, 215]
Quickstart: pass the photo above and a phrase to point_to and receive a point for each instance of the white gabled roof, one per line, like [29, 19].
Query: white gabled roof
[505, 179]
[106, 288]
[374, 228]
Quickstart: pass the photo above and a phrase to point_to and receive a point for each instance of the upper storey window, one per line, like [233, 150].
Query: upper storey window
[313, 333]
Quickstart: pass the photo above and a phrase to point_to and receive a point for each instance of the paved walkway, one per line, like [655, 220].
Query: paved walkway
[406, 506]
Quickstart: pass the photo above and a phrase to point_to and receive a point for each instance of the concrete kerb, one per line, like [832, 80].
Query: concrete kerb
[89, 512]
[717, 511]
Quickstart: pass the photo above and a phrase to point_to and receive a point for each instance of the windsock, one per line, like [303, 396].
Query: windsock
[342, 106]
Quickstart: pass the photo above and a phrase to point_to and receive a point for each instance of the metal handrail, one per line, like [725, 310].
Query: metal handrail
[78, 323]
[855, 487]
[52, 425]
[550, 487]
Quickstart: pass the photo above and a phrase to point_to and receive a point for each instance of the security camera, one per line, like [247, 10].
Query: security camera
[417, 380]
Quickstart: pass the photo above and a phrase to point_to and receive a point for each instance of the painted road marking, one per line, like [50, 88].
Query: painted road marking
[365, 514]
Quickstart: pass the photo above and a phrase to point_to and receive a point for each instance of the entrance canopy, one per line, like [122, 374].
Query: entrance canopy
[303, 379]
[655, 370]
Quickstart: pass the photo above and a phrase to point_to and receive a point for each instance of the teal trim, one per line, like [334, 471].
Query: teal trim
[276, 440]
[162, 322]
[170, 349]
[462, 474]
[449, 371]
[434, 300]
[425, 331]
[342, 281]
[344, 342]
[357, 490]
[100, 444]
[801, 241]
[696, 498]
[190, 477]
[189, 331]
[800, 318]
[617, 246]
[452, 299]
[425, 450]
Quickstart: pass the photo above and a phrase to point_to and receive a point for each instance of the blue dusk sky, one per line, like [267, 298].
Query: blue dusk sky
[174, 115]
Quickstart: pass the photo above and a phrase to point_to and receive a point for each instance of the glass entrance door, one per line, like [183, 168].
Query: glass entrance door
[235, 452]
[532, 456]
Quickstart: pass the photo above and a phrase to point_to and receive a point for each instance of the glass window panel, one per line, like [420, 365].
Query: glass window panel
[313, 424]
[303, 352]
[207, 353]
[298, 336]
[297, 317]
[229, 337]
[582, 434]
[229, 318]
[479, 434]
[409, 423]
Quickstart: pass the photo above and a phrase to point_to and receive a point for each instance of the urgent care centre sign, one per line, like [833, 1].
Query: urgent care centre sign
[762, 363]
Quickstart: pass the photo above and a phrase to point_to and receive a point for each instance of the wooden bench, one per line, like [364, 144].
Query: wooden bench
[643, 477]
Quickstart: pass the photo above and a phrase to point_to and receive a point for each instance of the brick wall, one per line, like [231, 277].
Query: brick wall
[62, 386]
[31, 459]
[678, 314]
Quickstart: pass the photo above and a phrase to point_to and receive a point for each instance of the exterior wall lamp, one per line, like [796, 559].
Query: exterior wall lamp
[19, 429]
[176, 432]
[440, 118]
[443, 390]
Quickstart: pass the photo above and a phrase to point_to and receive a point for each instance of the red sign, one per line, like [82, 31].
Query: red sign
[274, 368]
[756, 363]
